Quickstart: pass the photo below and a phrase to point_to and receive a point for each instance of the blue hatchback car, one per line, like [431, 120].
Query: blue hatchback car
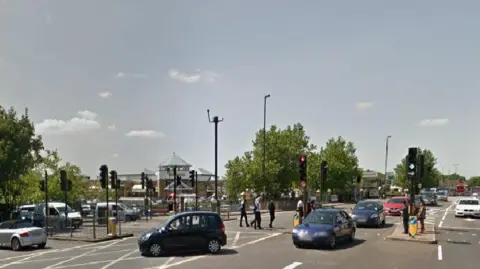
[369, 213]
[324, 227]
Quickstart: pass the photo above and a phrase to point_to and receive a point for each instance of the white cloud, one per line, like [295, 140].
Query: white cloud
[122, 75]
[85, 122]
[105, 94]
[364, 105]
[197, 76]
[145, 133]
[434, 122]
[112, 127]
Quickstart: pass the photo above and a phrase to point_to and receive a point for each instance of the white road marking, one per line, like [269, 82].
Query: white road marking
[118, 259]
[170, 260]
[460, 233]
[235, 240]
[440, 254]
[469, 219]
[82, 255]
[440, 224]
[293, 265]
[474, 234]
[61, 258]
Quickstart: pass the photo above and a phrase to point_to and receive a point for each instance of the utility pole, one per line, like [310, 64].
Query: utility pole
[264, 139]
[47, 211]
[215, 120]
[386, 159]
[196, 191]
[175, 189]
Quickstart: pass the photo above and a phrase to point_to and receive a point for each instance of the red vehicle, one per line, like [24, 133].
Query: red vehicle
[394, 206]
[461, 188]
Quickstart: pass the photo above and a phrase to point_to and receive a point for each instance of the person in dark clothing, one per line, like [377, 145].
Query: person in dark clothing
[421, 215]
[405, 216]
[256, 223]
[308, 210]
[243, 212]
[271, 210]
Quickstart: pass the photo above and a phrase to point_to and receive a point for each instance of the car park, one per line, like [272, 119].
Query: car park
[324, 227]
[369, 213]
[197, 230]
[18, 234]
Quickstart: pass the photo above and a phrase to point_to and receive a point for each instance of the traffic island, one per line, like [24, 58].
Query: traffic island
[91, 240]
[429, 237]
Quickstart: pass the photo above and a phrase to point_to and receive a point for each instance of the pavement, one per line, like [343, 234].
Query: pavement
[270, 248]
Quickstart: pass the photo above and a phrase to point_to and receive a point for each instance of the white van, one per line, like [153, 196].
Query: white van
[124, 212]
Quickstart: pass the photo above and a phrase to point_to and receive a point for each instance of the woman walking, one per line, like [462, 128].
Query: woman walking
[422, 213]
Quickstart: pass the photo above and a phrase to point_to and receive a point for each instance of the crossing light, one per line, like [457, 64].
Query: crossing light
[42, 185]
[192, 177]
[63, 180]
[323, 171]
[103, 176]
[412, 162]
[179, 180]
[149, 183]
[113, 179]
[359, 179]
[143, 180]
[303, 170]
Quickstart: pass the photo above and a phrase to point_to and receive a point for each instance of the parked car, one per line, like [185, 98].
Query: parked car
[394, 206]
[18, 234]
[369, 213]
[324, 227]
[196, 230]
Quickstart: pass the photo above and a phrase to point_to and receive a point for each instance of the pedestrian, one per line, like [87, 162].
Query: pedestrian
[257, 222]
[422, 213]
[271, 210]
[308, 210]
[405, 216]
[312, 205]
[243, 211]
[300, 209]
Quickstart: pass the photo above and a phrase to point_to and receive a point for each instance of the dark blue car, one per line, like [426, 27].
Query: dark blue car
[369, 213]
[324, 227]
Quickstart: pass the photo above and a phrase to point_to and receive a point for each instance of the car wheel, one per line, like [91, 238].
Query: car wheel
[332, 243]
[16, 246]
[42, 245]
[352, 236]
[155, 250]
[213, 246]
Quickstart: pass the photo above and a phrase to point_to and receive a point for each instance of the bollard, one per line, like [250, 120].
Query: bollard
[296, 219]
[71, 228]
[93, 225]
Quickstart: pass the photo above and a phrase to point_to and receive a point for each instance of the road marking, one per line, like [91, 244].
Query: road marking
[440, 224]
[293, 265]
[82, 255]
[474, 234]
[469, 219]
[235, 240]
[440, 254]
[118, 259]
[170, 260]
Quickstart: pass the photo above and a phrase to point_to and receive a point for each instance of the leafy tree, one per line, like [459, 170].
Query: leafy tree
[342, 164]
[19, 152]
[474, 181]
[431, 174]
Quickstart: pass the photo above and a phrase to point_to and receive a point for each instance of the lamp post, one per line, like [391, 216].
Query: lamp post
[216, 120]
[264, 137]
[386, 158]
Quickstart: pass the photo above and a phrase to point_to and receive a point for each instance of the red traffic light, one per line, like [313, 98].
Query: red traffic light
[302, 158]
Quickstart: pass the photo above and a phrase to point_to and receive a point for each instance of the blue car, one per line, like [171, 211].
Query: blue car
[324, 227]
[369, 213]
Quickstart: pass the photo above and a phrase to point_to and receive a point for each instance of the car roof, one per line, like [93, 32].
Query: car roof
[197, 213]
[370, 200]
[328, 210]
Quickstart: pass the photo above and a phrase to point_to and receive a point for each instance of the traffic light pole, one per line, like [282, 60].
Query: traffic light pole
[47, 211]
[216, 120]
[196, 191]
[106, 196]
[175, 189]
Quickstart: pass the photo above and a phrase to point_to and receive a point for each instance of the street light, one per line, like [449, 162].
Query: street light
[386, 158]
[264, 136]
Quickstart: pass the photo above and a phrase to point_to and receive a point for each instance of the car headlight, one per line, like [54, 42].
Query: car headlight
[320, 234]
[353, 216]
[295, 231]
[374, 216]
[146, 236]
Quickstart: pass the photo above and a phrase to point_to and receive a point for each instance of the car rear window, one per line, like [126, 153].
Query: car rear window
[396, 201]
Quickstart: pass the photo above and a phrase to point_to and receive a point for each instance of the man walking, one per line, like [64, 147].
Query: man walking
[243, 211]
[256, 223]
[405, 216]
[271, 210]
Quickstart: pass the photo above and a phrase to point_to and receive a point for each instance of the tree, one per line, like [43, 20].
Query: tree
[283, 148]
[342, 164]
[431, 176]
[19, 152]
[474, 181]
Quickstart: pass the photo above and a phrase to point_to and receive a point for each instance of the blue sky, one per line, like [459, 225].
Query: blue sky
[126, 83]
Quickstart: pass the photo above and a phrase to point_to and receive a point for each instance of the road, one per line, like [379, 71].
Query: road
[270, 248]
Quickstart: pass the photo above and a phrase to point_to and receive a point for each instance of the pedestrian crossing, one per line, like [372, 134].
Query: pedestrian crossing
[432, 215]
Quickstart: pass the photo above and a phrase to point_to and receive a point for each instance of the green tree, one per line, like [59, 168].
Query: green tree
[474, 181]
[342, 164]
[19, 152]
[431, 176]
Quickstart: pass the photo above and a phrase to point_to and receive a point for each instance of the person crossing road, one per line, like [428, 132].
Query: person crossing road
[243, 212]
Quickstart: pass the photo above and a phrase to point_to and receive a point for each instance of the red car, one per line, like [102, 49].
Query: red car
[394, 206]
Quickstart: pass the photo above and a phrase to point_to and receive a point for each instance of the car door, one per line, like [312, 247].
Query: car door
[196, 231]
[348, 223]
[381, 212]
[340, 225]
[5, 233]
[176, 237]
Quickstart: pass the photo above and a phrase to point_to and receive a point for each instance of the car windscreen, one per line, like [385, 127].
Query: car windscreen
[23, 224]
[163, 224]
[61, 209]
[319, 218]
[366, 206]
[397, 201]
[469, 202]
[442, 192]
[428, 196]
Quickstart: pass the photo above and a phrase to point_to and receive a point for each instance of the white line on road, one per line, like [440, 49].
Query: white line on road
[82, 255]
[293, 265]
[440, 254]
[235, 240]
[440, 224]
[118, 259]
[170, 260]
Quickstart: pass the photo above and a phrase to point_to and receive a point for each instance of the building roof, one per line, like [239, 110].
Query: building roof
[174, 160]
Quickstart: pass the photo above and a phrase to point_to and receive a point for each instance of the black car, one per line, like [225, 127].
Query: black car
[369, 213]
[186, 231]
[429, 198]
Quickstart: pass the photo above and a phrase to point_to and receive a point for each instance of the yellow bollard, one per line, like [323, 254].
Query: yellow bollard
[296, 219]
[112, 226]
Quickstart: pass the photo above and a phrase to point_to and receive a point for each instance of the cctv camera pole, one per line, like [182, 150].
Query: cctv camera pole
[175, 189]
[216, 120]
[47, 211]
[196, 191]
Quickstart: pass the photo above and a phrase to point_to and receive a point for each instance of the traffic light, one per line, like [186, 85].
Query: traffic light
[323, 172]
[149, 183]
[412, 162]
[113, 179]
[359, 179]
[103, 176]
[63, 180]
[303, 170]
[179, 180]
[421, 166]
[143, 180]
[69, 185]
[42, 185]
[192, 177]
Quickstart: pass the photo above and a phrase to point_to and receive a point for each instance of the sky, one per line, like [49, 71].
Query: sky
[127, 83]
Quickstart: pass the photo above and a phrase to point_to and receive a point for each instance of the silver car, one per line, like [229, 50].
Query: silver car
[18, 234]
